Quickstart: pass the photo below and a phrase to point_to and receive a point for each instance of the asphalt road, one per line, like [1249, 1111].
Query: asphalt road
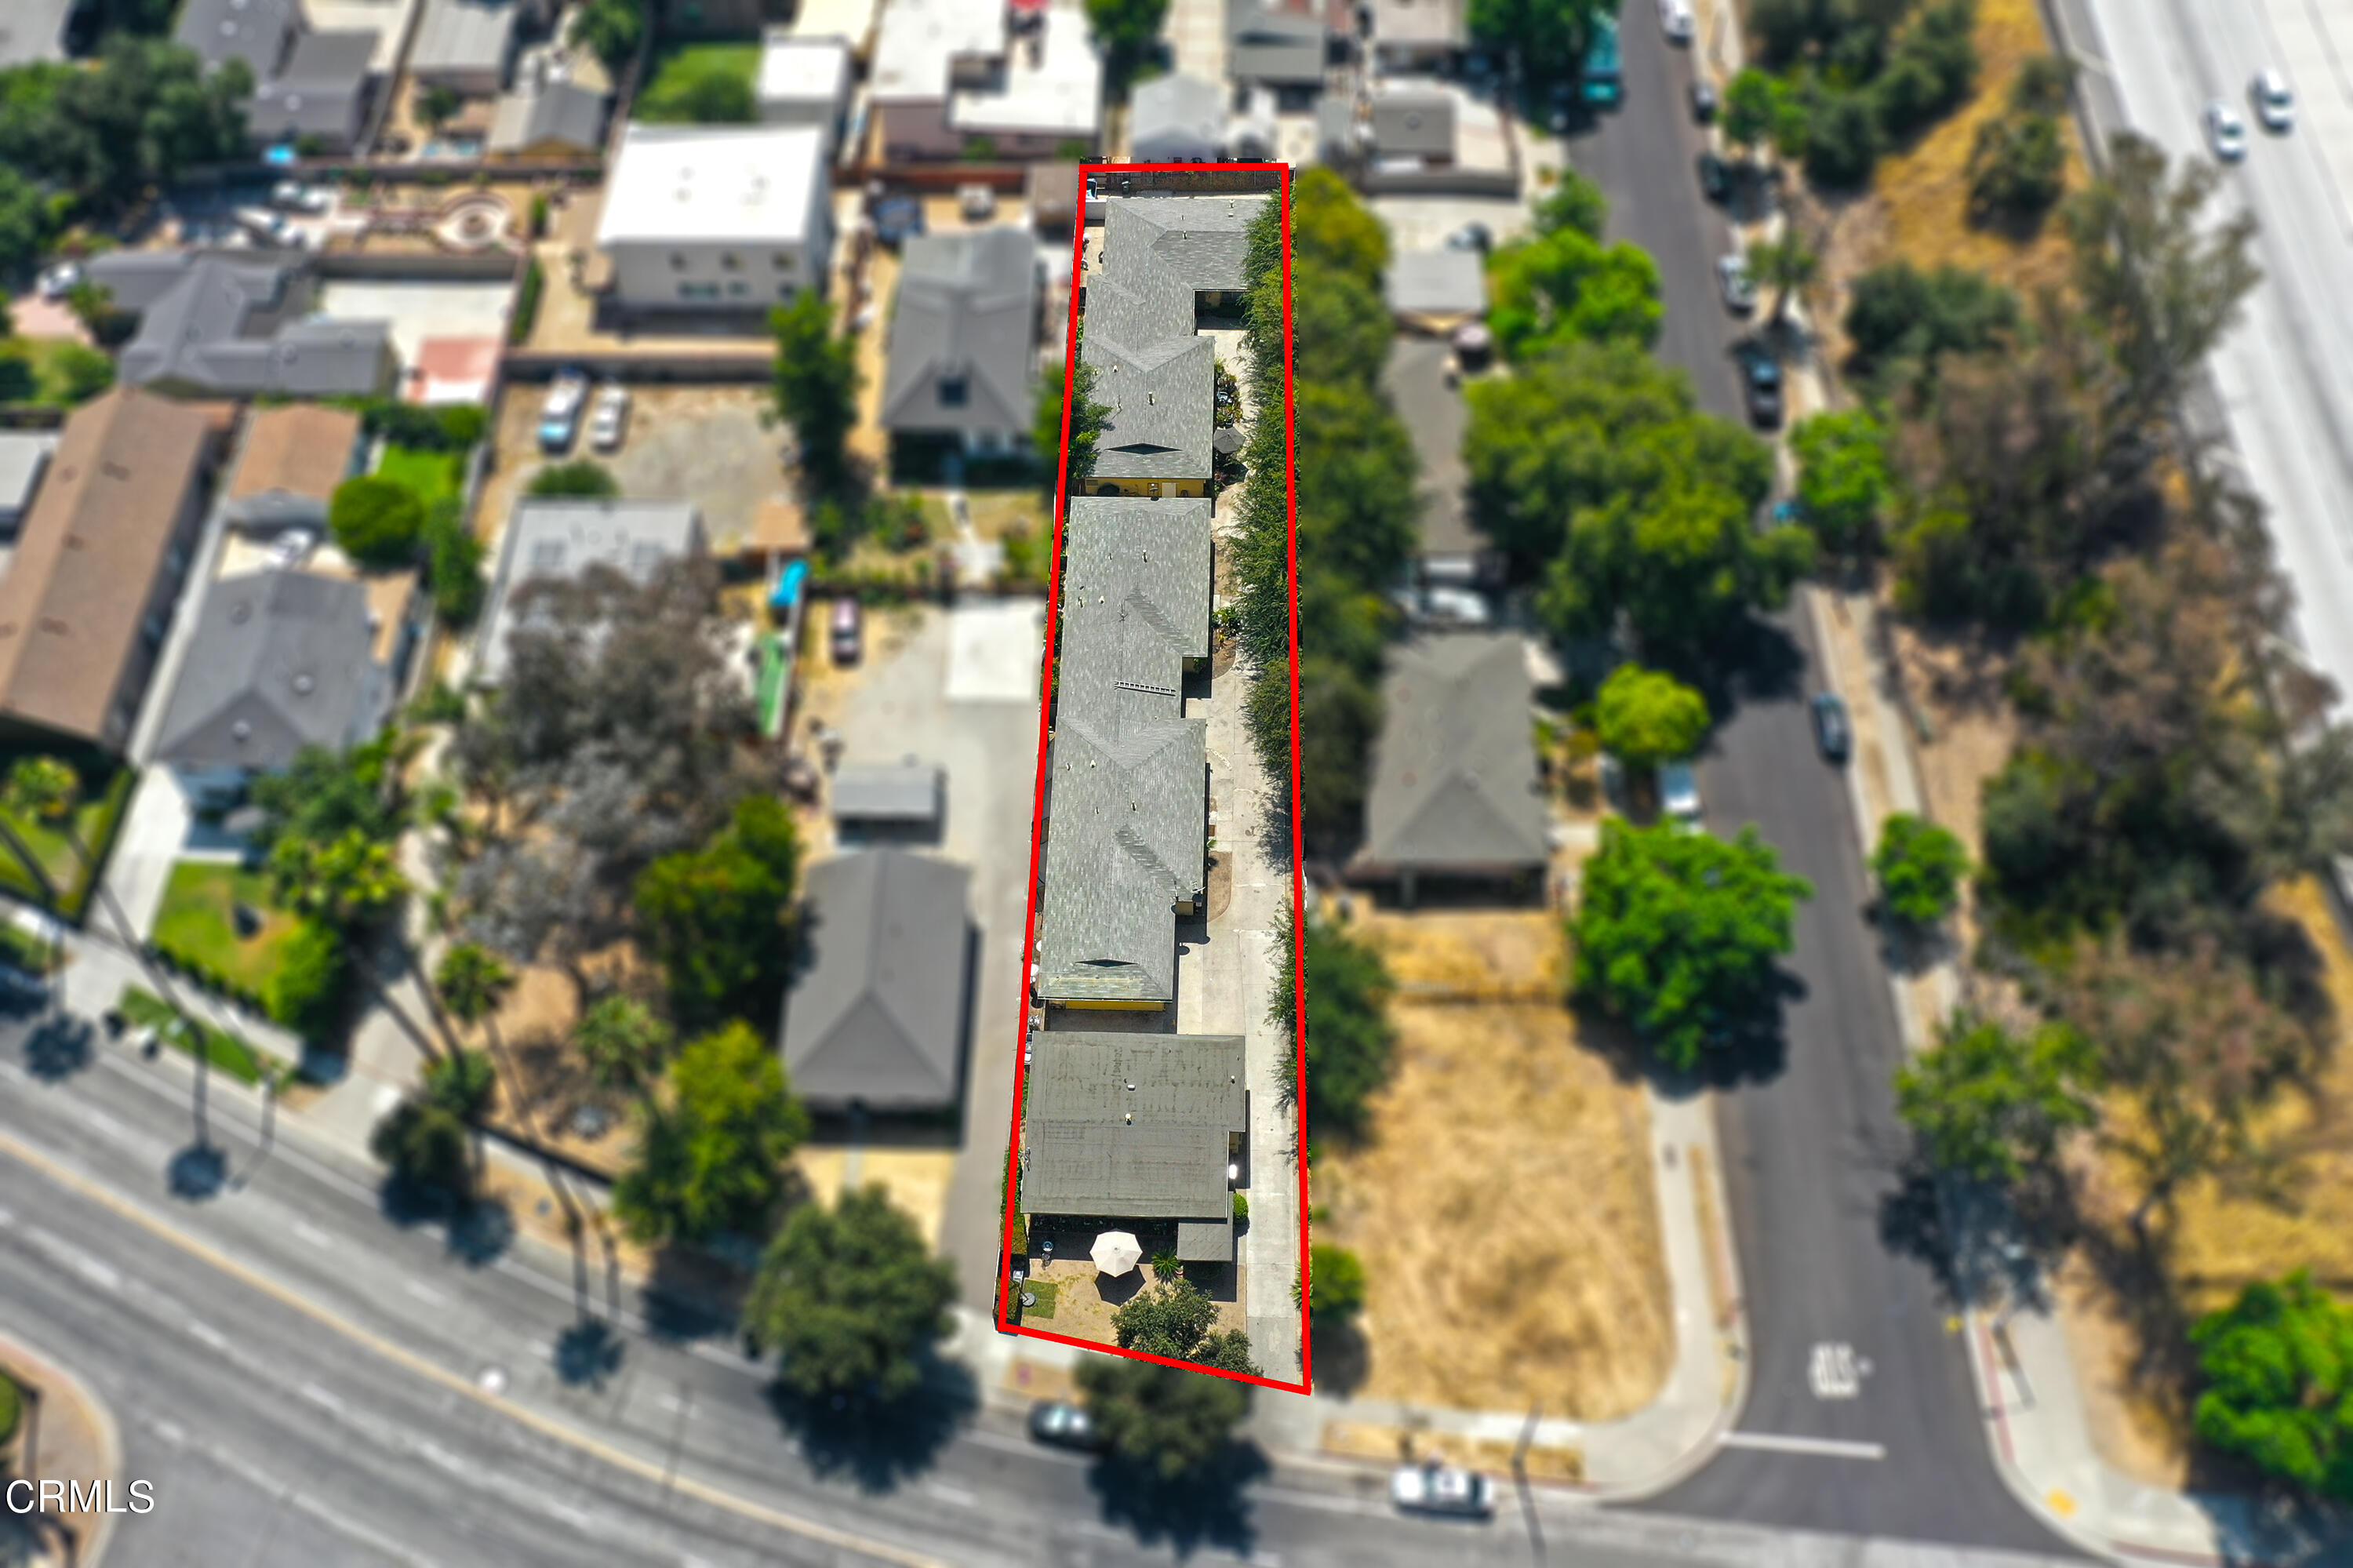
[1811, 1143]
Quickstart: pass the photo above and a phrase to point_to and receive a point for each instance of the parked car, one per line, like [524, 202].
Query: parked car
[610, 417]
[1471, 237]
[2226, 133]
[1675, 20]
[1441, 1488]
[1702, 100]
[848, 630]
[2275, 104]
[1715, 178]
[1832, 731]
[1679, 793]
[21, 989]
[61, 279]
[1062, 1423]
[293, 195]
[1761, 386]
[268, 226]
[559, 416]
[977, 202]
[1735, 283]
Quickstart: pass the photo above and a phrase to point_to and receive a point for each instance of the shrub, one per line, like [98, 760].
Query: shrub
[12, 1409]
[1919, 866]
[539, 216]
[2018, 167]
[376, 521]
[1335, 1283]
[82, 372]
[581, 477]
[1842, 139]
[306, 994]
[455, 566]
[526, 305]
[1241, 1207]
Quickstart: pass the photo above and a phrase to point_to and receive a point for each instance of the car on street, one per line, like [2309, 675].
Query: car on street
[1434, 1487]
[848, 630]
[1064, 1424]
[610, 419]
[559, 414]
[1715, 178]
[1761, 386]
[1679, 793]
[1675, 20]
[21, 989]
[1703, 101]
[1471, 237]
[1557, 113]
[2275, 104]
[1735, 283]
[293, 195]
[2226, 133]
[1832, 731]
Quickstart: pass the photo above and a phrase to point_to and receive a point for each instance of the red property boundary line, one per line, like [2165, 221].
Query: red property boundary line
[1038, 804]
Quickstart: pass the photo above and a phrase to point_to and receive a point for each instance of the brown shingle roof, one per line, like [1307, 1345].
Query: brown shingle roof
[301, 448]
[90, 551]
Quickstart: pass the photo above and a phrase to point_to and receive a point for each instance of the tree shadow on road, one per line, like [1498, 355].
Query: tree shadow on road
[587, 1353]
[879, 1443]
[1207, 1508]
[1749, 1047]
[59, 1046]
[478, 1232]
[198, 1172]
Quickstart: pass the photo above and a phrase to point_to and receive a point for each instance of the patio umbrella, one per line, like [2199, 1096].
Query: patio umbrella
[1115, 1252]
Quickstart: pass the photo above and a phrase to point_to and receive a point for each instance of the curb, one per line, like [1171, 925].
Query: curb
[55, 1383]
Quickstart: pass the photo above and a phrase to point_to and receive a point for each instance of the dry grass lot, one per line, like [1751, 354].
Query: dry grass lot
[1503, 1207]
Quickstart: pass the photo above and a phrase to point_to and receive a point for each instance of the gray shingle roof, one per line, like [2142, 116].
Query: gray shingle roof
[320, 93]
[454, 35]
[279, 659]
[1203, 240]
[1096, 1145]
[1266, 45]
[877, 1015]
[549, 537]
[220, 325]
[562, 112]
[1176, 116]
[1135, 604]
[896, 791]
[1126, 838]
[1454, 783]
[255, 31]
[1161, 415]
[966, 324]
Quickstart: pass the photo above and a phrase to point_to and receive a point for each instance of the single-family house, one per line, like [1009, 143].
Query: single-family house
[1413, 121]
[1121, 1127]
[321, 98]
[261, 33]
[466, 46]
[551, 112]
[1455, 793]
[850, 21]
[286, 468]
[876, 1015]
[100, 562]
[560, 537]
[214, 324]
[700, 218]
[802, 81]
[24, 458]
[1174, 119]
[33, 32]
[1275, 45]
[951, 79]
[963, 346]
[906, 797]
[278, 660]
[1419, 35]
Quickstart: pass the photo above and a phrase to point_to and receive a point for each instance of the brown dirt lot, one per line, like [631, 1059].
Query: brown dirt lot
[1503, 1207]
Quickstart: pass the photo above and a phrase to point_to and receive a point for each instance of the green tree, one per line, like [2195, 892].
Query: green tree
[473, 981]
[106, 135]
[1335, 1284]
[425, 1145]
[1919, 866]
[1749, 104]
[376, 522]
[1574, 203]
[2278, 1364]
[852, 1299]
[815, 387]
[1644, 718]
[1332, 230]
[624, 1043]
[1170, 1318]
[323, 796]
[1678, 932]
[24, 222]
[454, 566]
[306, 992]
[612, 30]
[1785, 265]
[1128, 32]
[438, 105]
[345, 880]
[45, 788]
[1350, 1041]
[1992, 1103]
[1547, 37]
[715, 918]
[1173, 1422]
[1087, 417]
[581, 477]
[2017, 169]
[1565, 284]
[82, 372]
[463, 1083]
[711, 1154]
[1844, 486]
[1841, 138]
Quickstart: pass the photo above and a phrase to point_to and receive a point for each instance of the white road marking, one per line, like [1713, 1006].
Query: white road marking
[103, 1122]
[426, 1293]
[204, 1334]
[1833, 1371]
[1826, 1447]
[312, 1234]
[949, 1494]
[326, 1399]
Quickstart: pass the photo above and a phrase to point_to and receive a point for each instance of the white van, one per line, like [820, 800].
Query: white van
[1675, 20]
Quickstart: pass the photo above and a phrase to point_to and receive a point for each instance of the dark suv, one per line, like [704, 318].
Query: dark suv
[1760, 386]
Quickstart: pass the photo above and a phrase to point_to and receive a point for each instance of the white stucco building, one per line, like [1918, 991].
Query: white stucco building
[703, 217]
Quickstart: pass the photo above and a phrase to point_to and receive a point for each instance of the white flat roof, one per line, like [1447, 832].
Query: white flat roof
[802, 71]
[689, 183]
[1061, 92]
[921, 40]
[852, 21]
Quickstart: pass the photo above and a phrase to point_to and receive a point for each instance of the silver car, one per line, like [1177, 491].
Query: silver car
[2226, 133]
[1441, 1488]
[2275, 104]
[1735, 282]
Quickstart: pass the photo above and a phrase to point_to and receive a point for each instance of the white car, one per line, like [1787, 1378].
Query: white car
[1679, 794]
[1441, 1488]
[293, 195]
[2225, 132]
[609, 418]
[1675, 20]
[976, 202]
[1733, 282]
[2275, 104]
[61, 279]
[559, 416]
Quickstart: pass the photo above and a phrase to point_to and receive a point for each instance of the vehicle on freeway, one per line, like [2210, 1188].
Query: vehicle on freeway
[2275, 104]
[1832, 731]
[1703, 101]
[1062, 1423]
[2226, 133]
[848, 630]
[559, 415]
[1434, 1487]
[1474, 235]
[1675, 20]
[610, 417]
[1761, 386]
[293, 195]
[1600, 76]
[1715, 178]
[1679, 794]
[1735, 283]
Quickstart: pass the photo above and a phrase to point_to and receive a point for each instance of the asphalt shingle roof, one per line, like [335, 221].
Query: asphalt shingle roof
[1176, 116]
[1135, 604]
[240, 328]
[1203, 240]
[1454, 783]
[1162, 418]
[966, 318]
[1119, 1124]
[1126, 836]
[279, 659]
[877, 1015]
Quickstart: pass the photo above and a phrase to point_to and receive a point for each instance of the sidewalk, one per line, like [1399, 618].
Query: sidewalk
[67, 1434]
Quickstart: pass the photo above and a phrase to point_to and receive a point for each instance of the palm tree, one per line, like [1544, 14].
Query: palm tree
[624, 1043]
[1786, 265]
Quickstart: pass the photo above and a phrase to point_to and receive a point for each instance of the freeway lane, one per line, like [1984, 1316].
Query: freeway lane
[1849, 1334]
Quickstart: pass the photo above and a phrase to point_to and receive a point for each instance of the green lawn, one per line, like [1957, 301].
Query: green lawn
[198, 924]
[222, 1050]
[430, 474]
[105, 786]
[702, 84]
